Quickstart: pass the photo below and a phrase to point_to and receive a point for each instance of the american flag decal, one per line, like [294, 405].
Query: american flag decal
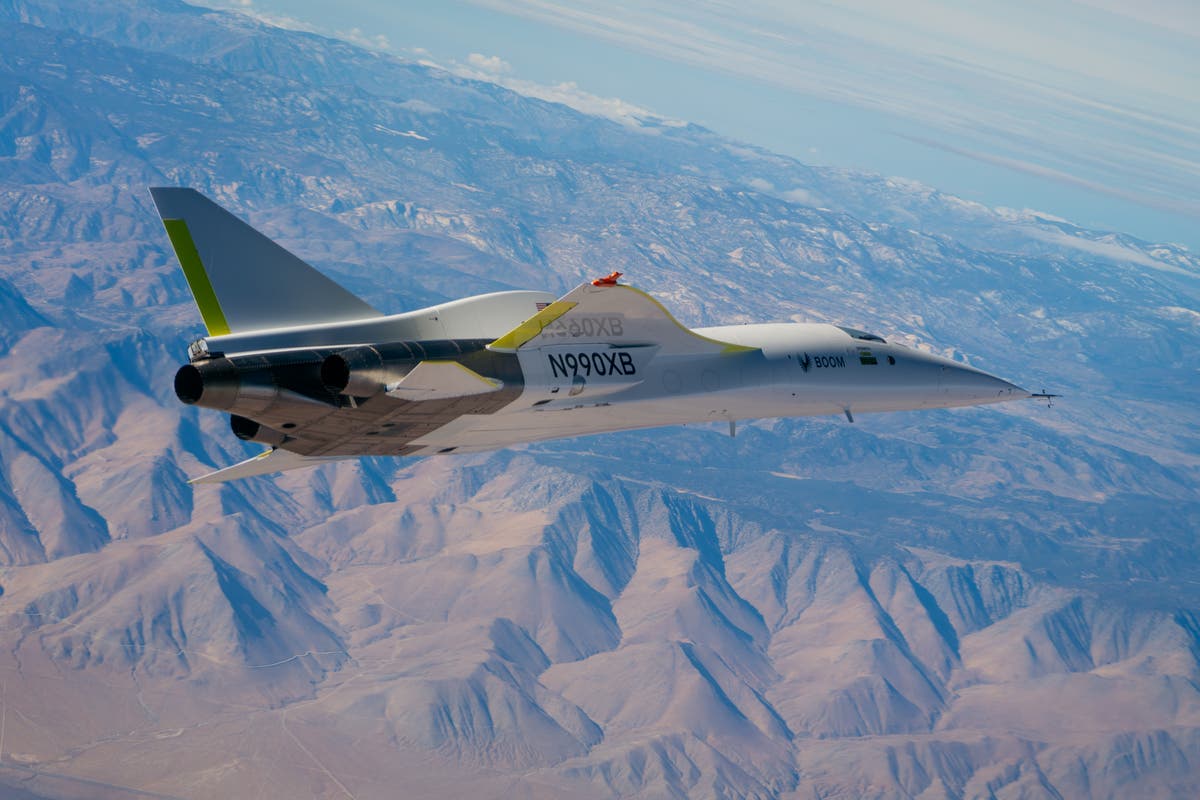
[542, 306]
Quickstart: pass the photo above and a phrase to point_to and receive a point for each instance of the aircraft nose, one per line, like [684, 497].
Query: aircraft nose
[967, 385]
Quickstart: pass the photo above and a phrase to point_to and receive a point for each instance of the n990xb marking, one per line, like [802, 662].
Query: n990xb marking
[570, 365]
[586, 326]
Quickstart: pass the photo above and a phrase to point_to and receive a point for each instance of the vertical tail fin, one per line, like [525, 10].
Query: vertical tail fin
[240, 279]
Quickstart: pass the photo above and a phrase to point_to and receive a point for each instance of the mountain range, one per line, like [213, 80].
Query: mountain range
[993, 602]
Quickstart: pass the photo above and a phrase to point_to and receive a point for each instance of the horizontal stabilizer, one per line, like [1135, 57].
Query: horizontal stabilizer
[442, 380]
[240, 279]
[611, 314]
[265, 463]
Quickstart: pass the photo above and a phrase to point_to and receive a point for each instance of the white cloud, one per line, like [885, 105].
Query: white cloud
[369, 41]
[1144, 197]
[494, 69]
[420, 107]
[796, 195]
[569, 94]
[1107, 249]
[490, 64]
[802, 196]
[1105, 96]
[246, 8]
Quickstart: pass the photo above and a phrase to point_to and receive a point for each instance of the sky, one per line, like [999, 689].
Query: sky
[1083, 109]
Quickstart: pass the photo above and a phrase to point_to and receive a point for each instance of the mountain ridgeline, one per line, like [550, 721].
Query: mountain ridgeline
[992, 602]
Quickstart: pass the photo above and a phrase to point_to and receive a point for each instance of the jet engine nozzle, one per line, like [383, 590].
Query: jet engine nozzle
[250, 431]
[212, 384]
[237, 386]
[358, 372]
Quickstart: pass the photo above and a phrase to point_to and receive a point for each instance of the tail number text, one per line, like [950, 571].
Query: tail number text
[570, 365]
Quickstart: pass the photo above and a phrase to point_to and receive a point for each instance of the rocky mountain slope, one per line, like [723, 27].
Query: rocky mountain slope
[979, 603]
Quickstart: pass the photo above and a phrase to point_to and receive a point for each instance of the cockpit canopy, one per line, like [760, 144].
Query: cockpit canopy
[855, 333]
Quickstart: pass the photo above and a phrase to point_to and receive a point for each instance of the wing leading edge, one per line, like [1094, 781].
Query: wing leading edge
[609, 313]
[267, 462]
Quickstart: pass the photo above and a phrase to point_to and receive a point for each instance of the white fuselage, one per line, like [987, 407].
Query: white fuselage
[793, 370]
[304, 366]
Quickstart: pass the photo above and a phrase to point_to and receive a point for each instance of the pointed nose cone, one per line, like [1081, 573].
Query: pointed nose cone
[967, 386]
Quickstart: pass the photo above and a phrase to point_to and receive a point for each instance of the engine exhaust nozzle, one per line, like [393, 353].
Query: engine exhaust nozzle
[358, 372]
[213, 384]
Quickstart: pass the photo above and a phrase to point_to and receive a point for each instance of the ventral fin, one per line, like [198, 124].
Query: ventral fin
[442, 380]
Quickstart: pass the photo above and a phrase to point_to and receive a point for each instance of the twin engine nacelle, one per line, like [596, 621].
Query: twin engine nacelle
[362, 371]
[265, 394]
[257, 385]
[370, 370]
[252, 385]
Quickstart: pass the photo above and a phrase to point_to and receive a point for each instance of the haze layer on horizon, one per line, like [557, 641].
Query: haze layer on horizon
[1087, 110]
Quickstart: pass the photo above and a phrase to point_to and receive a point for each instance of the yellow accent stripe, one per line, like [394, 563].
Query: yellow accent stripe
[197, 278]
[531, 327]
[491, 383]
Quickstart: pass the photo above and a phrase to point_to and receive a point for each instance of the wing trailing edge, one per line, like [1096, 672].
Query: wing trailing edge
[267, 462]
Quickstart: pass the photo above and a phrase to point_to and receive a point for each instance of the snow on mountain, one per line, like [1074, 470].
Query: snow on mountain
[986, 602]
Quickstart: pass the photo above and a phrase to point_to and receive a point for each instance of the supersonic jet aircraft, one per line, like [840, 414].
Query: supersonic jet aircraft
[304, 366]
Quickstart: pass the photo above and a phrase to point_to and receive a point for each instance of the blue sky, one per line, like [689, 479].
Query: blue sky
[1086, 109]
